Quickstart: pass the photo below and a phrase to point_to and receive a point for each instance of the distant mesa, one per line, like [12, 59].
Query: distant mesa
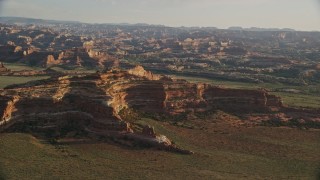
[239, 28]
[22, 20]
[33, 21]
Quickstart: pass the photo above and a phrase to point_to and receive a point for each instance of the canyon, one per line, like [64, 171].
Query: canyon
[77, 57]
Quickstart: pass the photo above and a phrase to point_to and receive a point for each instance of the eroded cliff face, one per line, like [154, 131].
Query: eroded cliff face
[141, 72]
[105, 95]
[81, 105]
[244, 101]
[51, 61]
[7, 107]
[91, 104]
[141, 90]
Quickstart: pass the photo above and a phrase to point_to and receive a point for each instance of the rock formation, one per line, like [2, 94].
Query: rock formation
[51, 61]
[91, 104]
[3, 69]
[70, 57]
[81, 57]
[141, 72]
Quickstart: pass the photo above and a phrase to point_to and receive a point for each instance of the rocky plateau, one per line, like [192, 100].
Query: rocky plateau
[94, 105]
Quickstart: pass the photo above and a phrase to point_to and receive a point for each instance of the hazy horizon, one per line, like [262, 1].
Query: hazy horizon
[295, 14]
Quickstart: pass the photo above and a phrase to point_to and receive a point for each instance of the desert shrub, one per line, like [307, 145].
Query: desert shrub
[295, 123]
[2, 174]
[273, 123]
[206, 114]
[129, 114]
[313, 124]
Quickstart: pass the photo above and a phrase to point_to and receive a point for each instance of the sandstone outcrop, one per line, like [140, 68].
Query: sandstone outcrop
[51, 61]
[141, 72]
[91, 104]
[3, 69]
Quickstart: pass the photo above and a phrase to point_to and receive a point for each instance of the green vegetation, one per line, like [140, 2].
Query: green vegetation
[66, 69]
[294, 123]
[299, 100]
[20, 67]
[9, 80]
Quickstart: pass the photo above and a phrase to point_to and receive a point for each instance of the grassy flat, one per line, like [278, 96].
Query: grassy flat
[9, 80]
[299, 100]
[221, 151]
[20, 67]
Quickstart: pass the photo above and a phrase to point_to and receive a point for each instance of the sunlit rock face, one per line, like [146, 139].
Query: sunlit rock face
[103, 96]
[91, 104]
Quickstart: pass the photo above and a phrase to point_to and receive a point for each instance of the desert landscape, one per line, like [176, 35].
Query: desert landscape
[141, 101]
[167, 124]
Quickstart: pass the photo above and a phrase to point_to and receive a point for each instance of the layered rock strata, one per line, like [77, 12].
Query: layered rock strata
[91, 104]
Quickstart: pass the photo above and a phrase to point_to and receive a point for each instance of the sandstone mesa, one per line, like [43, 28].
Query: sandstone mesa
[92, 105]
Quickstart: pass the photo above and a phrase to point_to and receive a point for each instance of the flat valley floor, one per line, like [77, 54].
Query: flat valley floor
[223, 150]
